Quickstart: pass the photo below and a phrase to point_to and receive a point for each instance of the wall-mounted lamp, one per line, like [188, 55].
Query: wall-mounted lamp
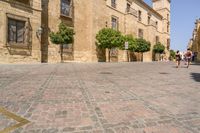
[39, 32]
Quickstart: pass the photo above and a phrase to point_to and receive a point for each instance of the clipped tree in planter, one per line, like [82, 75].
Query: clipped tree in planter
[108, 38]
[65, 35]
[158, 49]
[131, 42]
[142, 46]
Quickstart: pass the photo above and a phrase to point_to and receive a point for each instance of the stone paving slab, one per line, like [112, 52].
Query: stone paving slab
[102, 97]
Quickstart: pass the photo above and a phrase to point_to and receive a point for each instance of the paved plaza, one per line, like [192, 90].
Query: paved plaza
[99, 98]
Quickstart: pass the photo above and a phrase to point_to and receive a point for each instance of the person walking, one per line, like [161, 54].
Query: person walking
[188, 56]
[178, 59]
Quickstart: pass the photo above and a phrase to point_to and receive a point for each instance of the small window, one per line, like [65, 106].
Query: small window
[140, 15]
[16, 31]
[168, 44]
[168, 27]
[65, 7]
[115, 23]
[149, 19]
[140, 33]
[156, 24]
[113, 3]
[167, 17]
[128, 7]
[157, 39]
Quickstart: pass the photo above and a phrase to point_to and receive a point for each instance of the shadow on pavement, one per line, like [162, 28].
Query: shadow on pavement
[196, 76]
[198, 64]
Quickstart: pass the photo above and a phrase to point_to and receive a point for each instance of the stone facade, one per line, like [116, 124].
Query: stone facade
[19, 22]
[194, 43]
[87, 18]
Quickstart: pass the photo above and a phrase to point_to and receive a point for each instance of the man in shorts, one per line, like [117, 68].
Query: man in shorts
[188, 56]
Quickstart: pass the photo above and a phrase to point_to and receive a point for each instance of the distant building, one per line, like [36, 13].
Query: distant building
[86, 17]
[194, 43]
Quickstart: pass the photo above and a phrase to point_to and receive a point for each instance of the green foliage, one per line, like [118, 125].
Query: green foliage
[142, 45]
[109, 38]
[63, 36]
[172, 54]
[131, 42]
[159, 48]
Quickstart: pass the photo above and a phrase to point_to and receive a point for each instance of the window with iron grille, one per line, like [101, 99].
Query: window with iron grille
[113, 3]
[16, 31]
[140, 33]
[65, 7]
[114, 23]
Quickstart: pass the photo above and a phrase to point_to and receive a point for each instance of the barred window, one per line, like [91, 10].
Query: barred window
[65, 7]
[16, 31]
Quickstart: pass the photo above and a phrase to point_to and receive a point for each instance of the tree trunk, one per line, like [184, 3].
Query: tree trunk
[142, 57]
[61, 53]
[108, 55]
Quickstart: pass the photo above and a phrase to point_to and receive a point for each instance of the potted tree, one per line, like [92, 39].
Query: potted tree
[158, 49]
[131, 45]
[65, 35]
[108, 38]
[142, 46]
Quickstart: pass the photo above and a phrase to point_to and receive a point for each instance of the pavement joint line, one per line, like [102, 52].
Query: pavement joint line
[21, 121]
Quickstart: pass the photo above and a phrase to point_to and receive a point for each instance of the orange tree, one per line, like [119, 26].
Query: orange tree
[65, 35]
[142, 46]
[109, 38]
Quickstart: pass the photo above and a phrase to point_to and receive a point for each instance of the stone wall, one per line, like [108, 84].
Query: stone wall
[32, 14]
[87, 19]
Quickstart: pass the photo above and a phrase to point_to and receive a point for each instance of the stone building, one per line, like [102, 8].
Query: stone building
[19, 34]
[87, 17]
[194, 43]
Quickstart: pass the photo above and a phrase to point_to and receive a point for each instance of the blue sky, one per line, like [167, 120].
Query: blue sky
[183, 16]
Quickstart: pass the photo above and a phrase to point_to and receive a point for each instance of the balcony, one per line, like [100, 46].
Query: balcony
[132, 11]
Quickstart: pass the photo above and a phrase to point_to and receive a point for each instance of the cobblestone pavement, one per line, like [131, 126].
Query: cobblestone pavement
[101, 97]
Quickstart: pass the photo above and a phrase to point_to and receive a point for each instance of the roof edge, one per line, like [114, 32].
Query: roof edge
[150, 8]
